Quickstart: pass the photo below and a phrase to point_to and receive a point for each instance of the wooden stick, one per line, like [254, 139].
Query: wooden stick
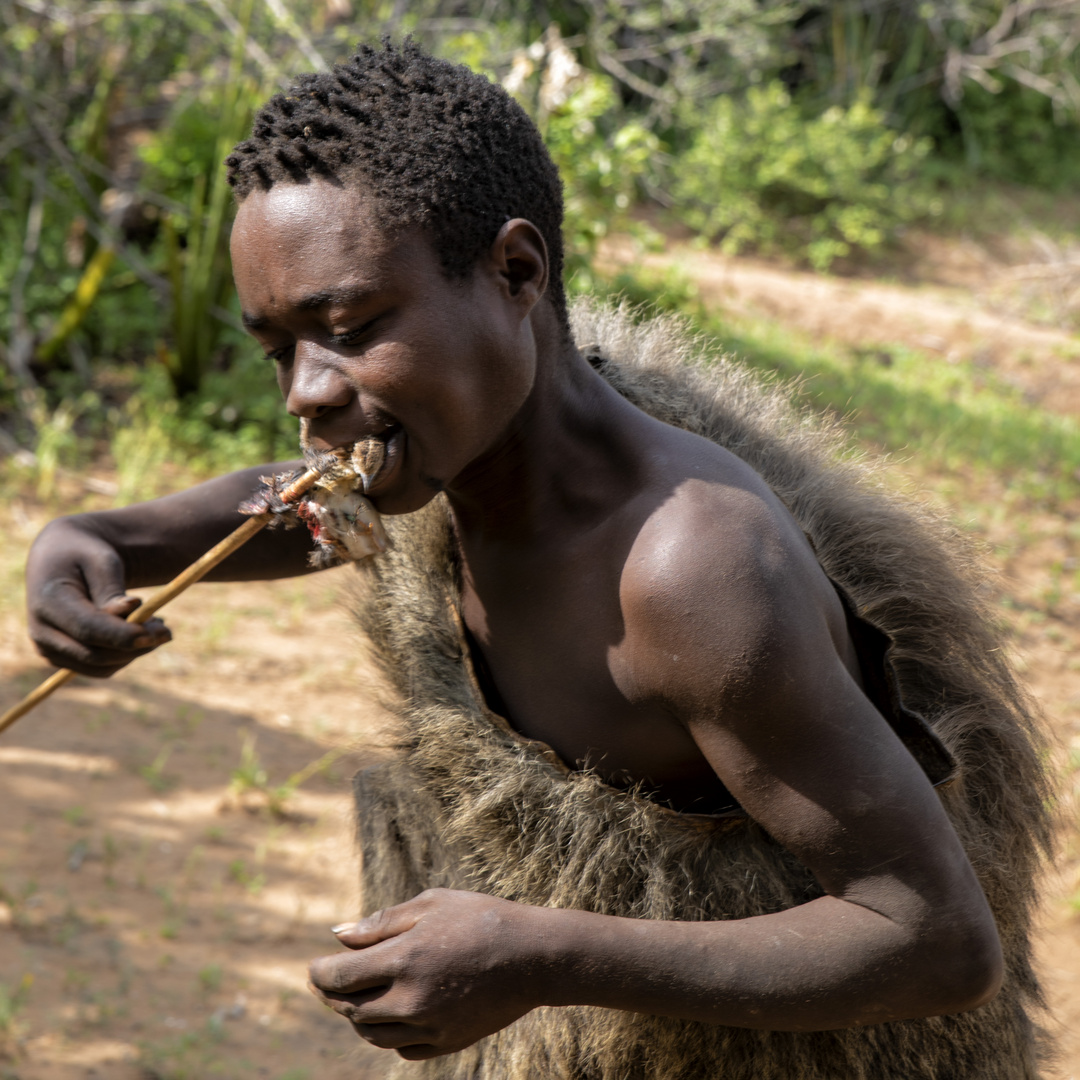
[197, 570]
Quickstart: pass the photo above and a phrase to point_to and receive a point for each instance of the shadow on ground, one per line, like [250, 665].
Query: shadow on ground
[156, 915]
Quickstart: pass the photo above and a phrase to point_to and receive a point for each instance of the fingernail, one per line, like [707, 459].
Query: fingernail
[341, 927]
[144, 641]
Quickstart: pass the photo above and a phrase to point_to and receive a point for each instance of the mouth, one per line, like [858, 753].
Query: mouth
[374, 460]
[378, 459]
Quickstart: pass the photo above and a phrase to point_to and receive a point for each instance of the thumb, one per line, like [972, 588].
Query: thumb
[120, 606]
[104, 576]
[383, 924]
[154, 632]
[103, 571]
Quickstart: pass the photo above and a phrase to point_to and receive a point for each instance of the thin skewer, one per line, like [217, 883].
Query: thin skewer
[197, 570]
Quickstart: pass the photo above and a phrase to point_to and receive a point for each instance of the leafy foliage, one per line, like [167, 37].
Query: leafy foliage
[600, 153]
[812, 129]
[762, 173]
[1012, 135]
[196, 242]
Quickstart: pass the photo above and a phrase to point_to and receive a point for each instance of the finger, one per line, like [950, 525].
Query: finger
[103, 572]
[120, 606]
[360, 1007]
[154, 629]
[64, 607]
[388, 923]
[63, 651]
[376, 1006]
[351, 972]
[351, 1006]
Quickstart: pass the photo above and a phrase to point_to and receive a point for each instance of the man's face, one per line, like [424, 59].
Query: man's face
[370, 337]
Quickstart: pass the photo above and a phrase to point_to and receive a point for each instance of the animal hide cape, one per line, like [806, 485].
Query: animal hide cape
[470, 804]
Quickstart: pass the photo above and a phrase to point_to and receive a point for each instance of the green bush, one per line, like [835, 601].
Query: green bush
[235, 419]
[602, 152]
[185, 159]
[1011, 135]
[761, 174]
[599, 160]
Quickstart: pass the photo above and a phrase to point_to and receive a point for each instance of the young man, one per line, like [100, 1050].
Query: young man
[687, 819]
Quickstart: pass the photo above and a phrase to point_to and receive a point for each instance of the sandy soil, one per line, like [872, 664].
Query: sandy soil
[156, 915]
[163, 913]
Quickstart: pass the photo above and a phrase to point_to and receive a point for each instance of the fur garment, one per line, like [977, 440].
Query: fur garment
[472, 805]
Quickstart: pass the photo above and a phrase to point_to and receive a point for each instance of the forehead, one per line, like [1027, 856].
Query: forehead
[303, 238]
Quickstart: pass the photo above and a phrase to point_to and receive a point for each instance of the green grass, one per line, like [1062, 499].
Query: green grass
[950, 416]
[944, 417]
[13, 1000]
[192, 1055]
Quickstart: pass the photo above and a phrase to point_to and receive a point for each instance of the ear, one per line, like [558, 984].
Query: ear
[519, 256]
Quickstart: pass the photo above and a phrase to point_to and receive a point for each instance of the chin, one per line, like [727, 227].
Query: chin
[415, 497]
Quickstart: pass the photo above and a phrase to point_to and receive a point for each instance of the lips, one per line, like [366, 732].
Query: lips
[384, 466]
[375, 461]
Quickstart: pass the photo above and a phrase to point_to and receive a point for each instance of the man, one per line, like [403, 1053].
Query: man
[690, 824]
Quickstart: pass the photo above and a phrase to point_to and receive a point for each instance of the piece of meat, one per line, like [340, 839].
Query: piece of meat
[343, 524]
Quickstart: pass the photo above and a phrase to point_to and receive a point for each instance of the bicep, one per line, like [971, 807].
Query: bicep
[811, 760]
[740, 635]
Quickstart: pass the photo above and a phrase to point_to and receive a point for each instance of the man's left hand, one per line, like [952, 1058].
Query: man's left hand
[433, 975]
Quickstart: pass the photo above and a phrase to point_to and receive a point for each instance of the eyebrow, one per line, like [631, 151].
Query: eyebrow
[312, 302]
[341, 297]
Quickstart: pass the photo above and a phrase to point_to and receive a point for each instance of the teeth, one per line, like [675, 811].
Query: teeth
[363, 461]
[368, 457]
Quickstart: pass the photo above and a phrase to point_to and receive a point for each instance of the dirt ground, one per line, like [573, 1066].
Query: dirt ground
[160, 894]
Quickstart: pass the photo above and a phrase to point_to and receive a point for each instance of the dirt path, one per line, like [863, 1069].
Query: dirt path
[152, 926]
[156, 926]
[957, 314]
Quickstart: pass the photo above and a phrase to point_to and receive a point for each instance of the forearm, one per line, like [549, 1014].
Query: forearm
[158, 539]
[826, 964]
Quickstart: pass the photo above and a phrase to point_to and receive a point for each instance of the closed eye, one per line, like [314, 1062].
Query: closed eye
[277, 355]
[351, 337]
[354, 336]
[345, 339]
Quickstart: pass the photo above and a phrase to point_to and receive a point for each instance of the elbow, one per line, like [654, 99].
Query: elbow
[968, 968]
[984, 972]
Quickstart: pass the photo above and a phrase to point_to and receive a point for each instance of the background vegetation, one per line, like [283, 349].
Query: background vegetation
[815, 130]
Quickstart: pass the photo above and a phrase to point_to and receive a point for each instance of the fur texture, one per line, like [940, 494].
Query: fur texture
[472, 805]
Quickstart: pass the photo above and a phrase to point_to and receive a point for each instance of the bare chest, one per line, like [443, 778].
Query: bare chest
[551, 654]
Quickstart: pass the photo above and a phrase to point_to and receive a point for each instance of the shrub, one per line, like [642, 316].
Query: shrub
[601, 153]
[761, 174]
[599, 167]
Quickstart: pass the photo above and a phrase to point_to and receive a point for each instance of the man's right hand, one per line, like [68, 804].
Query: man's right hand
[80, 568]
[77, 605]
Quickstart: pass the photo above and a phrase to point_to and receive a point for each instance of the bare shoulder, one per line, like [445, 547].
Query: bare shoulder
[721, 582]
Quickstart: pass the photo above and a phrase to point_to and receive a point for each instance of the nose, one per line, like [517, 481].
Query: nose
[315, 388]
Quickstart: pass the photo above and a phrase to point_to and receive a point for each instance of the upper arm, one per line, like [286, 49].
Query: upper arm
[736, 629]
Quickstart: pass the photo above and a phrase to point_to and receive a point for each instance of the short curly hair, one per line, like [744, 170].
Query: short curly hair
[440, 146]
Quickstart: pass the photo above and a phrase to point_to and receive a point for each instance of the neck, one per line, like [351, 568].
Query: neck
[566, 461]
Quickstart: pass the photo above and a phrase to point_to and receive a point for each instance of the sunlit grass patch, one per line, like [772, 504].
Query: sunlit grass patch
[13, 1001]
[190, 1055]
[952, 415]
[946, 417]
